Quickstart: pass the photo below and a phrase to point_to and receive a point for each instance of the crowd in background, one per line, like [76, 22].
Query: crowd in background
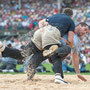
[11, 17]
[85, 46]
[27, 18]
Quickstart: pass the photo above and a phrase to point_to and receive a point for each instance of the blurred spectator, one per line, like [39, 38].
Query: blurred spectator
[82, 65]
[8, 65]
[40, 68]
[12, 17]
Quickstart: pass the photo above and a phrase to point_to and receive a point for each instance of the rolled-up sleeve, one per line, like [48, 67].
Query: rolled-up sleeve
[76, 45]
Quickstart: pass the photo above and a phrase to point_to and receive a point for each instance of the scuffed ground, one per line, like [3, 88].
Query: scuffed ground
[41, 82]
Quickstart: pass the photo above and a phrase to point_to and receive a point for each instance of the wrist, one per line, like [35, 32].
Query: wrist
[78, 73]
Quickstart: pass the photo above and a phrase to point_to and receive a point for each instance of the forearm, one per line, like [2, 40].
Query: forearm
[75, 60]
[70, 38]
[67, 42]
[42, 23]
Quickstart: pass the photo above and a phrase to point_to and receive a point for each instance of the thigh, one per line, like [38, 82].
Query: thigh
[63, 51]
[54, 58]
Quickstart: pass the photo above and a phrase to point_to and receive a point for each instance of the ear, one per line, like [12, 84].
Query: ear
[88, 31]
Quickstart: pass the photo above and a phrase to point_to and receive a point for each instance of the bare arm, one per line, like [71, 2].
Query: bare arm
[75, 60]
[42, 23]
[66, 41]
[70, 38]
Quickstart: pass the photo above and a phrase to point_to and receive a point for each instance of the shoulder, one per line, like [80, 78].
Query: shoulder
[55, 15]
[76, 44]
[76, 40]
[76, 37]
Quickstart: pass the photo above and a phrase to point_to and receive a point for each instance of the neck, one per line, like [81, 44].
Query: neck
[76, 29]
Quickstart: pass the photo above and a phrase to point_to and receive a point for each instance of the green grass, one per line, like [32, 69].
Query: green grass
[88, 67]
[19, 66]
[49, 68]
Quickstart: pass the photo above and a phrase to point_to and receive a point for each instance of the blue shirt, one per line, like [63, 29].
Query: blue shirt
[63, 22]
[9, 60]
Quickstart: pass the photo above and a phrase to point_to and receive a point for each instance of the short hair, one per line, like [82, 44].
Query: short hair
[83, 24]
[68, 11]
[9, 45]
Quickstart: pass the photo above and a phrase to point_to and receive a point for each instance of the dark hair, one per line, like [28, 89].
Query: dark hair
[89, 27]
[83, 24]
[9, 45]
[68, 11]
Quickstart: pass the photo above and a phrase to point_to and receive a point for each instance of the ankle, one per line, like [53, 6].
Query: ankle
[58, 75]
